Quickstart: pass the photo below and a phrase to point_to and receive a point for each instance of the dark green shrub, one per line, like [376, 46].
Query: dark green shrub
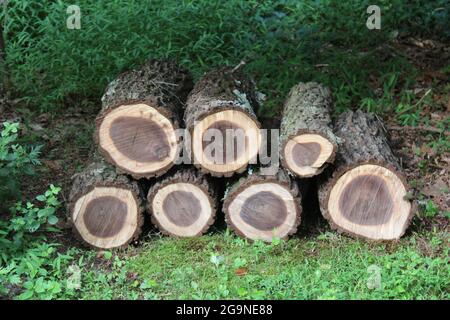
[281, 41]
[16, 161]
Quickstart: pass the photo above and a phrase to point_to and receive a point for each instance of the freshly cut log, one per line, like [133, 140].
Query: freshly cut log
[223, 127]
[141, 110]
[307, 141]
[263, 207]
[367, 195]
[183, 204]
[105, 208]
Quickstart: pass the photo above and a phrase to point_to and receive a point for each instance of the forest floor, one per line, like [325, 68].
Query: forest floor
[316, 263]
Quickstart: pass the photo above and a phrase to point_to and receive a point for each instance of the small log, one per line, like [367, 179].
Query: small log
[105, 208]
[220, 110]
[183, 204]
[307, 141]
[263, 207]
[141, 110]
[366, 196]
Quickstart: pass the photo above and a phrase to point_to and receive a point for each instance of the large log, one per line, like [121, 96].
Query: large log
[183, 204]
[220, 110]
[105, 208]
[141, 110]
[307, 140]
[367, 195]
[263, 207]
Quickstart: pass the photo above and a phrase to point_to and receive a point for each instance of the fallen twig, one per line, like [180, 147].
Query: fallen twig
[420, 128]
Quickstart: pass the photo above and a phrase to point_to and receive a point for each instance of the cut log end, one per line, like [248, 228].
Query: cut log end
[224, 142]
[306, 155]
[107, 217]
[369, 201]
[182, 209]
[262, 211]
[137, 138]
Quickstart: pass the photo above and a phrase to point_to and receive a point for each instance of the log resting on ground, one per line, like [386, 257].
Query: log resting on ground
[183, 204]
[263, 207]
[367, 194]
[105, 208]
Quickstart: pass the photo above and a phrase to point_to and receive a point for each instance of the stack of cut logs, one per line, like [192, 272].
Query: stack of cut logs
[361, 189]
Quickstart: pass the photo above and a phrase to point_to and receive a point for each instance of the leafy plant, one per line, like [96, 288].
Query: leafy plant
[408, 113]
[16, 161]
[430, 210]
[28, 218]
[25, 257]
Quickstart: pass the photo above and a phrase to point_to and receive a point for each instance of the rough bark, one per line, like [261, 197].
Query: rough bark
[161, 85]
[164, 81]
[99, 175]
[221, 89]
[180, 208]
[253, 178]
[307, 111]
[216, 92]
[365, 147]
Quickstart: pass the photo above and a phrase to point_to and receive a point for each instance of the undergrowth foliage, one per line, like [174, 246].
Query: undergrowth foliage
[281, 41]
[16, 161]
[26, 259]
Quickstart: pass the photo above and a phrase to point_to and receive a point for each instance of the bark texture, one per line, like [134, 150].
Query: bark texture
[221, 89]
[163, 82]
[307, 110]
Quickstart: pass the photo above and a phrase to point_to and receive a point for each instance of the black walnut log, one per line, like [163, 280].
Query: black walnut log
[141, 110]
[307, 141]
[367, 194]
[183, 204]
[263, 207]
[105, 208]
[220, 117]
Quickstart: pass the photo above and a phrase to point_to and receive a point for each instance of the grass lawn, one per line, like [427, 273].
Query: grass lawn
[221, 266]
[328, 267]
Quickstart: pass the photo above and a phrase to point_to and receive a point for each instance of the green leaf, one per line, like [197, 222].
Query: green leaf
[147, 284]
[40, 285]
[52, 220]
[28, 294]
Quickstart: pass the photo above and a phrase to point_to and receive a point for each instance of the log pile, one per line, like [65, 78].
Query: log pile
[362, 191]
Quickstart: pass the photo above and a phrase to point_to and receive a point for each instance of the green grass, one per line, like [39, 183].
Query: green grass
[281, 41]
[221, 266]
